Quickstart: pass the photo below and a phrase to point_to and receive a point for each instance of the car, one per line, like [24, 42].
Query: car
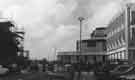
[121, 70]
[129, 75]
[113, 73]
[104, 70]
[102, 74]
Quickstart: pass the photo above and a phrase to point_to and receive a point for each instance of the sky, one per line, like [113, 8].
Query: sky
[52, 25]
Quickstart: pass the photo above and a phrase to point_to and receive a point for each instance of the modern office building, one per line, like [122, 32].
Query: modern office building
[120, 36]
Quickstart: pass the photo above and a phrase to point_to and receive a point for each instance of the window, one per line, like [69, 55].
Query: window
[133, 34]
[77, 45]
[133, 18]
[91, 43]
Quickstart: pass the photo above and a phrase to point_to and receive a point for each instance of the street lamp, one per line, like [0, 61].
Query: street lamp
[80, 20]
[80, 49]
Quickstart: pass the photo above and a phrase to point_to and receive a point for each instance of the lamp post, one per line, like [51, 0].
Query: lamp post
[80, 20]
[80, 49]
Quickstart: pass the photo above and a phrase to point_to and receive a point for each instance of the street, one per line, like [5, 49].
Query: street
[28, 76]
[45, 76]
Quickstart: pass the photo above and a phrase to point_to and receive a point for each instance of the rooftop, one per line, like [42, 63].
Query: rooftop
[83, 53]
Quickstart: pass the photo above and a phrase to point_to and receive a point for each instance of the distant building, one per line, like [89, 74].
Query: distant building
[67, 56]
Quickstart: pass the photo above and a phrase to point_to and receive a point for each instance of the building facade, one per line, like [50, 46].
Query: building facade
[67, 56]
[9, 43]
[120, 36]
[93, 50]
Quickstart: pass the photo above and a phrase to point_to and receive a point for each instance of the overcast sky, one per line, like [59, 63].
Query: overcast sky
[51, 24]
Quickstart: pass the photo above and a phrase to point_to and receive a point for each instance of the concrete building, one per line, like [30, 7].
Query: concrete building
[99, 33]
[92, 50]
[121, 36]
[67, 56]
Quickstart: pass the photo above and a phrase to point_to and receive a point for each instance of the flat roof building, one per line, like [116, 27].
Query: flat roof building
[120, 36]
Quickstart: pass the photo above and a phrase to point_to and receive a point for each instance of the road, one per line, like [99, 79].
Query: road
[44, 76]
[85, 76]
[28, 76]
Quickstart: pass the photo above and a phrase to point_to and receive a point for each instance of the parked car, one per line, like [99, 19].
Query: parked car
[113, 72]
[105, 69]
[121, 71]
[128, 75]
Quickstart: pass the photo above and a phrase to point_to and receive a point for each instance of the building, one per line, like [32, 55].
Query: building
[115, 43]
[8, 42]
[93, 50]
[99, 33]
[120, 36]
[67, 56]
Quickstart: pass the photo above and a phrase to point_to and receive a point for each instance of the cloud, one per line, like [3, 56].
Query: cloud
[53, 24]
[43, 21]
[105, 13]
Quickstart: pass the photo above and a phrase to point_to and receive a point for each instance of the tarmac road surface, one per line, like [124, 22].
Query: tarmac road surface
[46, 76]
[28, 76]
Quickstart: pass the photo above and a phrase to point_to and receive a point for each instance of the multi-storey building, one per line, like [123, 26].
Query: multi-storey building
[92, 50]
[121, 36]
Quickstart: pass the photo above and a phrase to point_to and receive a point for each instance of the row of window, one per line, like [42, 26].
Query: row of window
[119, 55]
[116, 44]
[113, 32]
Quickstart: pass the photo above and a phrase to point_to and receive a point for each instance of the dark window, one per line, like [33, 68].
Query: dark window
[91, 44]
[77, 45]
[133, 33]
[132, 17]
